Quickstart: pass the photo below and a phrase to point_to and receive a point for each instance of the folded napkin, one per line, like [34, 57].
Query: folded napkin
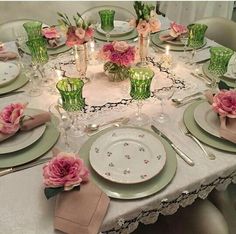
[6, 55]
[81, 212]
[166, 37]
[227, 125]
[29, 124]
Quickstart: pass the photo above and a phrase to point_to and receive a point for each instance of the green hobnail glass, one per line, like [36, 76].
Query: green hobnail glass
[71, 94]
[219, 61]
[33, 29]
[38, 50]
[140, 79]
[196, 35]
[107, 19]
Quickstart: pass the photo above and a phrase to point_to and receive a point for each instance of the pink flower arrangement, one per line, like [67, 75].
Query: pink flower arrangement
[224, 103]
[147, 21]
[77, 34]
[118, 52]
[50, 33]
[177, 29]
[10, 118]
[65, 170]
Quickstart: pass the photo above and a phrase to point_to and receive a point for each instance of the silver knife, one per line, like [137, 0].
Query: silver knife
[185, 157]
[12, 93]
[23, 167]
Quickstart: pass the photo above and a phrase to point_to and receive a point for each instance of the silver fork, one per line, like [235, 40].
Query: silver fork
[185, 131]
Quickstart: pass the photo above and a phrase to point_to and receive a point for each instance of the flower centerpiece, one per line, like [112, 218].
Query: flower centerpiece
[64, 172]
[51, 35]
[119, 55]
[146, 22]
[77, 36]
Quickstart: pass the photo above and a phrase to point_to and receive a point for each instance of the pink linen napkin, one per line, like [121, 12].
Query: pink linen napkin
[227, 125]
[81, 212]
[29, 124]
[7, 55]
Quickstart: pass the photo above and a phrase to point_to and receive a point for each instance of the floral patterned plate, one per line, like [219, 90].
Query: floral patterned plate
[127, 156]
[8, 73]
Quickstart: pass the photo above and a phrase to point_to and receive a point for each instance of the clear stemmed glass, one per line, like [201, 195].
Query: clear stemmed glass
[184, 39]
[140, 79]
[107, 21]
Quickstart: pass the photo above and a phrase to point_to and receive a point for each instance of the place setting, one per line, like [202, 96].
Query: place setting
[29, 135]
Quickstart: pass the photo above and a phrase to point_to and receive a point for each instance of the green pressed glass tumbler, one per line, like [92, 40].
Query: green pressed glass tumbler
[107, 21]
[71, 94]
[33, 29]
[219, 61]
[38, 50]
[140, 80]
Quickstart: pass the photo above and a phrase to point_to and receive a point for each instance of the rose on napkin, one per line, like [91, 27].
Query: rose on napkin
[224, 103]
[50, 32]
[63, 173]
[10, 118]
[177, 29]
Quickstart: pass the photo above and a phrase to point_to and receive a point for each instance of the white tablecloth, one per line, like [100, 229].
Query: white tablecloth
[25, 210]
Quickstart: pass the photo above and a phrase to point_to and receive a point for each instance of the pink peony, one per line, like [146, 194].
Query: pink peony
[50, 33]
[155, 25]
[65, 170]
[120, 46]
[224, 103]
[10, 118]
[177, 29]
[143, 28]
[80, 33]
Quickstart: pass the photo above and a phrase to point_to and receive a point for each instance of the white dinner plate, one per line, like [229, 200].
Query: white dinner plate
[231, 70]
[127, 156]
[8, 72]
[22, 139]
[120, 28]
[207, 119]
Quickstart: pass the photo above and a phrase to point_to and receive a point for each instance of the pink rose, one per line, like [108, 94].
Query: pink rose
[65, 170]
[224, 103]
[10, 118]
[155, 25]
[72, 39]
[120, 46]
[143, 28]
[50, 33]
[177, 29]
[80, 33]
[89, 33]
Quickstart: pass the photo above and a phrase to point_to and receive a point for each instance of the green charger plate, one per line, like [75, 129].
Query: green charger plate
[202, 135]
[156, 41]
[51, 51]
[126, 37]
[132, 191]
[34, 151]
[20, 81]
[206, 71]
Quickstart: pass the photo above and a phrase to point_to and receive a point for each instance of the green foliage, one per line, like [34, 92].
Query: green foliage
[222, 85]
[143, 10]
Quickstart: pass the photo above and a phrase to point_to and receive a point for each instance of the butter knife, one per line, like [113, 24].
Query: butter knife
[23, 167]
[185, 157]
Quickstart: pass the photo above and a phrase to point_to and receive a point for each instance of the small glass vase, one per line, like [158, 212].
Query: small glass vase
[81, 60]
[143, 45]
[115, 72]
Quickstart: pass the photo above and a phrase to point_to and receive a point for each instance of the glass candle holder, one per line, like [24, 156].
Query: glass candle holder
[71, 94]
[38, 50]
[107, 21]
[219, 61]
[196, 35]
[33, 29]
[140, 79]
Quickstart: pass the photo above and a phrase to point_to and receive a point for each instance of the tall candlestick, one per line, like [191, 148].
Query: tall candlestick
[167, 49]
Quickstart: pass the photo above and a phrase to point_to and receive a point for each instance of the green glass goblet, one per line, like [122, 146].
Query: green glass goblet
[196, 38]
[107, 21]
[33, 29]
[72, 101]
[140, 80]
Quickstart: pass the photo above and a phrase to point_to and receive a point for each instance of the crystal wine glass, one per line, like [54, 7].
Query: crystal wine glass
[140, 79]
[107, 21]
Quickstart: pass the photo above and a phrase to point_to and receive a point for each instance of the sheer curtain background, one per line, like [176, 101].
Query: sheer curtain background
[186, 12]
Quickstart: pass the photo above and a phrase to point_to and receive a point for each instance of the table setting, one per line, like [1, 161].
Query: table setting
[120, 130]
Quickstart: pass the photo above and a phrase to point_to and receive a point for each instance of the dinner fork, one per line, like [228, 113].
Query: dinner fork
[186, 132]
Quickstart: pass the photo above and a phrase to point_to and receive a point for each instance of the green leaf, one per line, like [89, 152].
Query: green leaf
[51, 192]
[223, 85]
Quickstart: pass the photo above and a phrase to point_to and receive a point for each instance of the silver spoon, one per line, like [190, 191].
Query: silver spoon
[180, 100]
[94, 127]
